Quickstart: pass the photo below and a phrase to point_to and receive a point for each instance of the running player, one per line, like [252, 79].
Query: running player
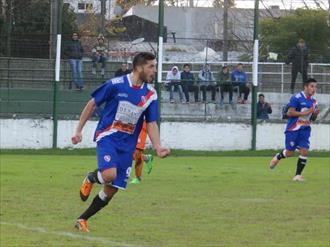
[302, 109]
[139, 157]
[127, 101]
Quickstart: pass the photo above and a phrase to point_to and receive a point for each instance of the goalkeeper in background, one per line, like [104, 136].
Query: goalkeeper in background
[139, 157]
[302, 109]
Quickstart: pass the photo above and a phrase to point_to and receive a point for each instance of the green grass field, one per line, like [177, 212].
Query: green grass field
[186, 201]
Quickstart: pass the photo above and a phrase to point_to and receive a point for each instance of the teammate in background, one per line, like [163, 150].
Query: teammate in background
[128, 100]
[139, 157]
[302, 109]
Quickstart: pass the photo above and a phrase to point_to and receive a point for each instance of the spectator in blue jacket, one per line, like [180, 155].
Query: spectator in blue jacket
[239, 78]
[207, 82]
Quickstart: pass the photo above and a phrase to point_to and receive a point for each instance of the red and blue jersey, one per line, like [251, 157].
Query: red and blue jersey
[300, 102]
[124, 108]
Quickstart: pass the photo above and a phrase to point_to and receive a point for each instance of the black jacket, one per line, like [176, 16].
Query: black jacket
[187, 78]
[263, 110]
[73, 50]
[120, 72]
[298, 57]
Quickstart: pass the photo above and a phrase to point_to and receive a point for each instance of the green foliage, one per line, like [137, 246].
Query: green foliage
[33, 16]
[279, 35]
[185, 201]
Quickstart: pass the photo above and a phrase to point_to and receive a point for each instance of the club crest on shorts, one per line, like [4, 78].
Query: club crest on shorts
[291, 144]
[107, 158]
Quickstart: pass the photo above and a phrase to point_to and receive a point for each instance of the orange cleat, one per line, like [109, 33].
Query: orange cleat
[81, 225]
[85, 189]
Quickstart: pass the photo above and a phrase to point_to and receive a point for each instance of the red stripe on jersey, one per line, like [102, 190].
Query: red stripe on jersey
[146, 98]
[101, 131]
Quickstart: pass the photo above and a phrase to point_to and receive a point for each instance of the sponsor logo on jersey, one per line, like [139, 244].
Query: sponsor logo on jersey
[124, 95]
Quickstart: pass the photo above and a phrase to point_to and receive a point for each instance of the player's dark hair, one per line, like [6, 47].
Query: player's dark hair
[262, 95]
[142, 58]
[310, 80]
[185, 65]
[239, 64]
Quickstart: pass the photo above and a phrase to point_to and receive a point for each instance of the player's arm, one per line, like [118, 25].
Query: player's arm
[293, 113]
[153, 132]
[85, 115]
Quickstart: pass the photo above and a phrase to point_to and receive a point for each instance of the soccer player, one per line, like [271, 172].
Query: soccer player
[302, 109]
[139, 157]
[127, 100]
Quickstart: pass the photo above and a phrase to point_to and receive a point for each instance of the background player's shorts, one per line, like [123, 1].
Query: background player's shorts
[108, 156]
[297, 139]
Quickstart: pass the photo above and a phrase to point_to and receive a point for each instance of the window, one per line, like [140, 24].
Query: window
[81, 6]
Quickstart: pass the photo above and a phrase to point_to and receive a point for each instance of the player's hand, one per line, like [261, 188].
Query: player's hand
[309, 111]
[76, 138]
[317, 111]
[162, 152]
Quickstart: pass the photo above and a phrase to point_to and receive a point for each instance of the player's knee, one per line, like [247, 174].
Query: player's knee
[289, 153]
[109, 175]
[304, 152]
[110, 191]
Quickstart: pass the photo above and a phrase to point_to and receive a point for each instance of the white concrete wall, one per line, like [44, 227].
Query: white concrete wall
[31, 133]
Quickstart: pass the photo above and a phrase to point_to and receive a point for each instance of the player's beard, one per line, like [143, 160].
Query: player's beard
[144, 77]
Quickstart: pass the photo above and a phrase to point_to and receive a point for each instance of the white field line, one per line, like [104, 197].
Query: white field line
[70, 235]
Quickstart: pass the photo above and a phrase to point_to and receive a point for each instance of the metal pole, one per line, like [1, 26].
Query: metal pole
[57, 70]
[103, 10]
[225, 30]
[160, 53]
[255, 76]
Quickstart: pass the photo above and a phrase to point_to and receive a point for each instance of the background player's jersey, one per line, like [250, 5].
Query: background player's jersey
[141, 142]
[125, 107]
[301, 103]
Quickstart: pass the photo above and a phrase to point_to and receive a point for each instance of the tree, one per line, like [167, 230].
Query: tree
[279, 35]
[221, 3]
[30, 27]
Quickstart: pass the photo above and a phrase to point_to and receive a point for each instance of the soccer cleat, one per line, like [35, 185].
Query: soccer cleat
[274, 162]
[136, 181]
[81, 225]
[148, 163]
[298, 178]
[85, 189]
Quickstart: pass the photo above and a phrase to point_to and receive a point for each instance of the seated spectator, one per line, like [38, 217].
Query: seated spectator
[263, 108]
[173, 81]
[239, 78]
[188, 83]
[225, 84]
[123, 70]
[99, 55]
[207, 82]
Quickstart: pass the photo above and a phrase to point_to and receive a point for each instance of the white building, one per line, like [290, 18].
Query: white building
[92, 6]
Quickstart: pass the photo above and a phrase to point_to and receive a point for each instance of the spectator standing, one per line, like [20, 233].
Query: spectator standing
[239, 78]
[225, 84]
[207, 82]
[188, 83]
[263, 108]
[74, 51]
[173, 79]
[298, 56]
[123, 70]
[99, 55]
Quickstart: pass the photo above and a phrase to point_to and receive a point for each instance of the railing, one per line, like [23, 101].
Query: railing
[273, 77]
